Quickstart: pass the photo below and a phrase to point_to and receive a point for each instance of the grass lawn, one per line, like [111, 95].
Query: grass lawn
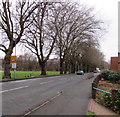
[27, 74]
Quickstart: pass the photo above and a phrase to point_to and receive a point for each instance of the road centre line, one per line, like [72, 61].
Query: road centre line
[28, 86]
[43, 104]
[14, 89]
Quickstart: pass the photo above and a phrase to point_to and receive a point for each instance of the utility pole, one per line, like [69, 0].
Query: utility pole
[119, 36]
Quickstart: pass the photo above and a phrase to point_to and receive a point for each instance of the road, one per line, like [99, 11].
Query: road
[58, 95]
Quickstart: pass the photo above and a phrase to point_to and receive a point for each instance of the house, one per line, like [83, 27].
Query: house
[115, 63]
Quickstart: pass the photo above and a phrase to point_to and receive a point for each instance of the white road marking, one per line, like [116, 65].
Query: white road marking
[19, 81]
[14, 89]
[46, 82]
[25, 80]
[43, 104]
[55, 76]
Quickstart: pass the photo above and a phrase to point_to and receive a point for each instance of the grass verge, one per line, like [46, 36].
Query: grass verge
[90, 114]
[27, 74]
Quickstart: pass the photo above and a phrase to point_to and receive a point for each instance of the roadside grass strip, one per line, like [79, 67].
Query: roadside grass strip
[90, 114]
[27, 74]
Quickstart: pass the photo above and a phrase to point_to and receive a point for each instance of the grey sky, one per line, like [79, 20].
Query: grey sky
[106, 10]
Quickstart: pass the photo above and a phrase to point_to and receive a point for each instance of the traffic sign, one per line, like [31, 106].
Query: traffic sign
[14, 65]
[13, 59]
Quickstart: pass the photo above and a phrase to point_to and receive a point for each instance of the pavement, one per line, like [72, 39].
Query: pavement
[59, 95]
[100, 110]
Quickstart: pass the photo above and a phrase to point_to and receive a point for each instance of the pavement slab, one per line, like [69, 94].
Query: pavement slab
[100, 110]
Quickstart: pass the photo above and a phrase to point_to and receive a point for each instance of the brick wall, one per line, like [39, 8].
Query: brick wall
[114, 63]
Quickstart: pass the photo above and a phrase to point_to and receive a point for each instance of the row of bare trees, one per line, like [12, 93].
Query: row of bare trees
[67, 29]
[13, 22]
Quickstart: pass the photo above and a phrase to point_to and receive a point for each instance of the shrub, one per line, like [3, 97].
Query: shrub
[109, 103]
[107, 100]
[110, 75]
[113, 76]
[105, 74]
[117, 102]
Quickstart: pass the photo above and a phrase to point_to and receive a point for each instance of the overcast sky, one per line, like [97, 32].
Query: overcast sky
[106, 10]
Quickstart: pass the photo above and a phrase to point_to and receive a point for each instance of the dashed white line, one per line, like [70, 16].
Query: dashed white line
[25, 80]
[27, 86]
[14, 89]
[43, 104]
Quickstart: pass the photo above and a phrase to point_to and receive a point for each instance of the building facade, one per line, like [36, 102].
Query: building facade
[115, 63]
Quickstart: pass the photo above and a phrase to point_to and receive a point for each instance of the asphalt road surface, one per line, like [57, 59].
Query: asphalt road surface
[58, 95]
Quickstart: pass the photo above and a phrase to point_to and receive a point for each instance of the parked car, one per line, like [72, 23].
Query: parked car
[80, 72]
[95, 71]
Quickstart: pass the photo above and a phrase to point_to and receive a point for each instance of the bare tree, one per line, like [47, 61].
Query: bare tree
[85, 56]
[13, 25]
[27, 62]
[75, 25]
[41, 34]
[53, 64]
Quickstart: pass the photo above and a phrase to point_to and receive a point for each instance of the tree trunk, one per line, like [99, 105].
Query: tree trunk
[43, 68]
[72, 68]
[7, 65]
[69, 68]
[66, 66]
[61, 66]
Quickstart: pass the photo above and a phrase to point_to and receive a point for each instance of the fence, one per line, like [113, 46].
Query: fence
[94, 89]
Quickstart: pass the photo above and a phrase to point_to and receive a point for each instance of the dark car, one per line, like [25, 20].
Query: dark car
[80, 72]
[94, 71]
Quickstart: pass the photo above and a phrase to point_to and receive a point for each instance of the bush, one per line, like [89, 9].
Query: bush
[117, 102]
[105, 74]
[109, 103]
[107, 100]
[114, 76]
[110, 75]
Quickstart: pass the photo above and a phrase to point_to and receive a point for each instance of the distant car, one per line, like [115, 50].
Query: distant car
[80, 72]
[95, 71]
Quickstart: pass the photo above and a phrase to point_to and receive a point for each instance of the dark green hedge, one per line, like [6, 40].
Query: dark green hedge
[112, 76]
[109, 103]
